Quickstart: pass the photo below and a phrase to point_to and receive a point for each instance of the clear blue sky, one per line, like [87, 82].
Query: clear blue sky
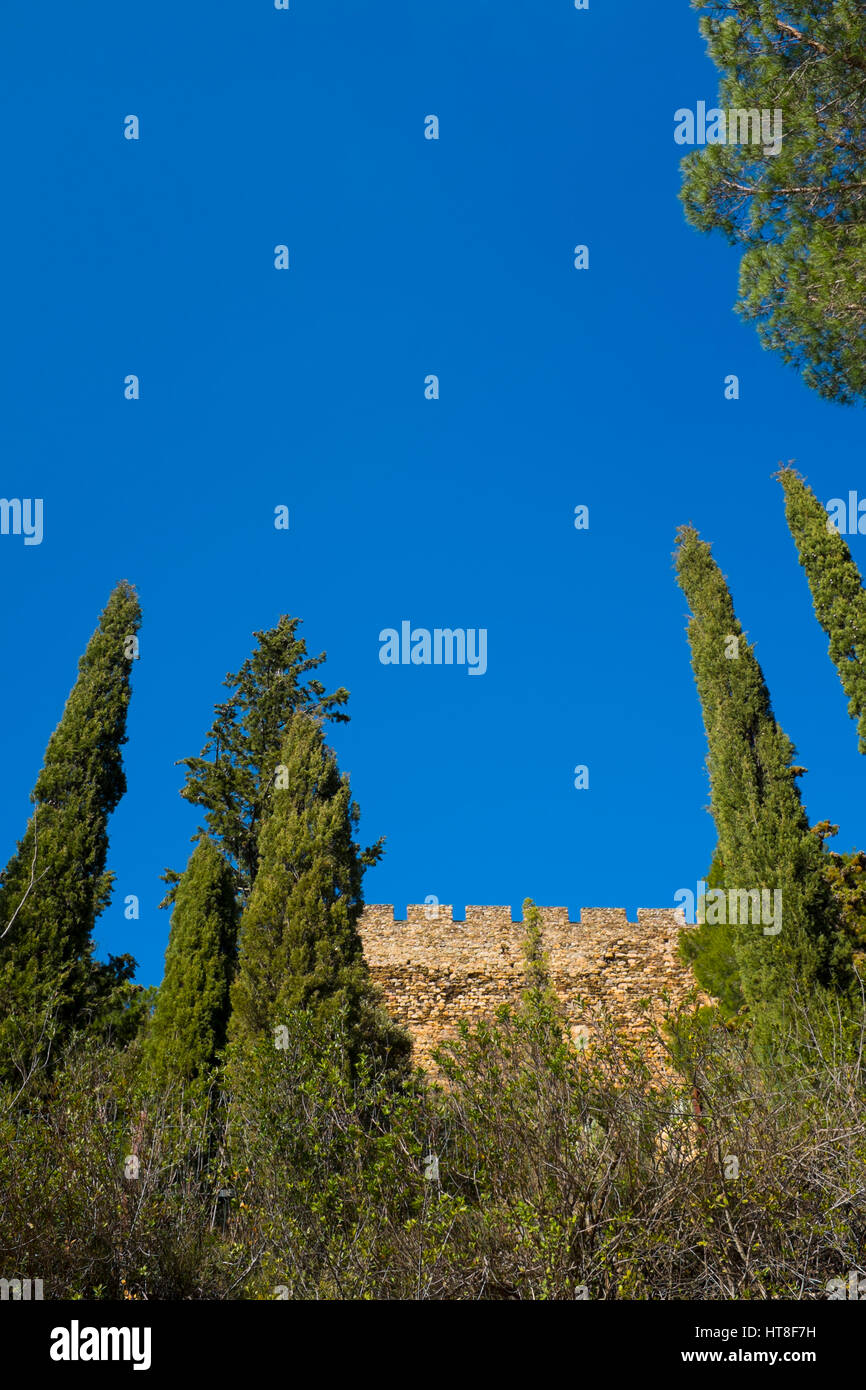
[306, 388]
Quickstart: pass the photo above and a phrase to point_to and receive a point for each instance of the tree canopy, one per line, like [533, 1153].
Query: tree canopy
[799, 214]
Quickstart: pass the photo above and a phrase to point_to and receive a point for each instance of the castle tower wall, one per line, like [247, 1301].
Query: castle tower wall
[435, 971]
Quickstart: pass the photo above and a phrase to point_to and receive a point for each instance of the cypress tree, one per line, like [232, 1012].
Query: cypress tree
[709, 947]
[300, 949]
[188, 1028]
[56, 884]
[764, 839]
[837, 592]
[233, 778]
[846, 875]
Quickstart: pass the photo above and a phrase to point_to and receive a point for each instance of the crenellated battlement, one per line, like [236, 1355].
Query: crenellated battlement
[435, 969]
[505, 917]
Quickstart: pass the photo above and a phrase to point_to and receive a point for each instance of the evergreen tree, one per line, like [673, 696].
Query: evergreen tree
[846, 875]
[233, 777]
[55, 885]
[115, 1009]
[764, 840]
[189, 1024]
[300, 948]
[799, 212]
[709, 947]
[837, 592]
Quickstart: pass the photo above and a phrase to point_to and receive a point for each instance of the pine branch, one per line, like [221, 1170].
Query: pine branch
[850, 58]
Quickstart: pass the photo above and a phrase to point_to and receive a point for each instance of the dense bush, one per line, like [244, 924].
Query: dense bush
[561, 1173]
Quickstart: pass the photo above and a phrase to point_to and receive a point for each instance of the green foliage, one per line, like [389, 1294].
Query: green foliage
[558, 1174]
[709, 949]
[56, 884]
[837, 592]
[109, 1187]
[800, 214]
[763, 833]
[539, 997]
[846, 875]
[839, 601]
[300, 948]
[114, 1008]
[326, 1165]
[305, 1160]
[190, 1019]
[234, 776]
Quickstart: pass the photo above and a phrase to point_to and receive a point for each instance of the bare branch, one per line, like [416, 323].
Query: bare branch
[33, 880]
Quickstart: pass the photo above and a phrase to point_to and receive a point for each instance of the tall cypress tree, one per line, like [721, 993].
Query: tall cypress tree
[837, 592]
[233, 778]
[764, 839]
[189, 1024]
[709, 947]
[56, 884]
[300, 948]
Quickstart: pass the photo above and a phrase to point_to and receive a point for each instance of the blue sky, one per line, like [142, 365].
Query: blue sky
[306, 388]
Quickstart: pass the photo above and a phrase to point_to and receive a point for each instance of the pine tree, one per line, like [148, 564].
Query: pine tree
[764, 839]
[56, 884]
[798, 208]
[837, 592]
[189, 1024]
[233, 777]
[300, 948]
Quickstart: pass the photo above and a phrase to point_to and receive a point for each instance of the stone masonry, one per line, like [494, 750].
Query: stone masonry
[435, 971]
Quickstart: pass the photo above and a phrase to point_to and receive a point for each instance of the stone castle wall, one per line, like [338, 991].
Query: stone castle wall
[435, 971]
